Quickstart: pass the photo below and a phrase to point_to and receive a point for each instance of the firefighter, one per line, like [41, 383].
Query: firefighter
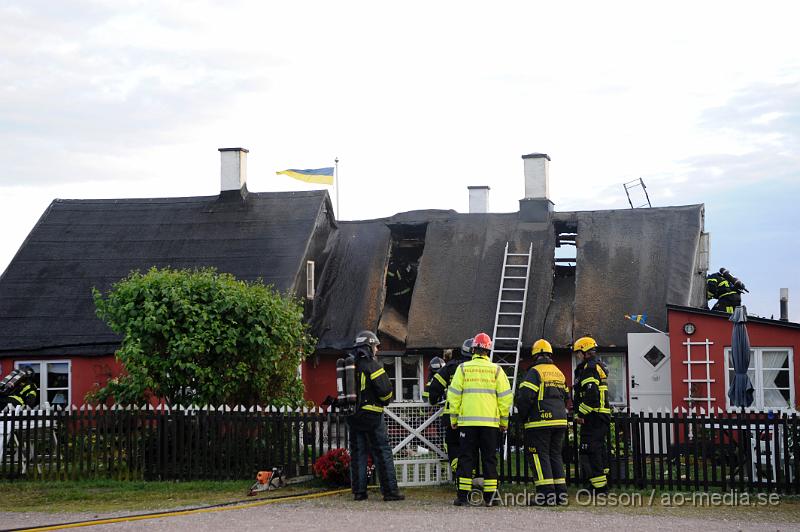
[433, 368]
[367, 428]
[726, 289]
[437, 392]
[592, 413]
[20, 389]
[541, 403]
[480, 398]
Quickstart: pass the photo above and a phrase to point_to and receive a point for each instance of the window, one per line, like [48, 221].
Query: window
[54, 381]
[772, 374]
[406, 375]
[617, 376]
[310, 288]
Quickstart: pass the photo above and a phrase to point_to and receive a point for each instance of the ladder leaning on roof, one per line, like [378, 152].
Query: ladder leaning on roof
[508, 320]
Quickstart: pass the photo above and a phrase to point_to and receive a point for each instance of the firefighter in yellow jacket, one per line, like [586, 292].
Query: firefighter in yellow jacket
[541, 404]
[480, 398]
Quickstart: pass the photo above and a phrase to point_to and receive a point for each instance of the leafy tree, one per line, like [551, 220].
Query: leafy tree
[203, 337]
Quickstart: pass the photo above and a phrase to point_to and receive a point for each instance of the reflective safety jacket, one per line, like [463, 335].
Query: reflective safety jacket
[541, 400]
[479, 395]
[27, 396]
[374, 386]
[436, 389]
[717, 287]
[591, 390]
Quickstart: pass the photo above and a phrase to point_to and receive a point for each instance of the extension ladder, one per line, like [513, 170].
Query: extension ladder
[508, 320]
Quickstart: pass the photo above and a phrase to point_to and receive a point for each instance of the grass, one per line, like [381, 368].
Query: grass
[98, 496]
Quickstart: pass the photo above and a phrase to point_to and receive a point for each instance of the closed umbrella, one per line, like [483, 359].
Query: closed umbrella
[741, 391]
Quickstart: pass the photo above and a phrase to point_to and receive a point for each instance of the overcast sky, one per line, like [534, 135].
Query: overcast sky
[116, 98]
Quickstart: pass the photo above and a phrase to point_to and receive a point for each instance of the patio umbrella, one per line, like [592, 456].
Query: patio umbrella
[741, 390]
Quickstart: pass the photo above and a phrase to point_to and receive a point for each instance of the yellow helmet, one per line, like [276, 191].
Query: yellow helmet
[584, 344]
[541, 346]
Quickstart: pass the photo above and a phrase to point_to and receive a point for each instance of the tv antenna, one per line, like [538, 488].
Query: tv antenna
[633, 184]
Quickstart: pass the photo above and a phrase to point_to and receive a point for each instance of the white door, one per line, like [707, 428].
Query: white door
[650, 381]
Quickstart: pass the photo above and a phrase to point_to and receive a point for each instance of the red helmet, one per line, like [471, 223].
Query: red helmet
[482, 341]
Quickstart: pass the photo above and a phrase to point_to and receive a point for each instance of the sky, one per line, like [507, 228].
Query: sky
[418, 100]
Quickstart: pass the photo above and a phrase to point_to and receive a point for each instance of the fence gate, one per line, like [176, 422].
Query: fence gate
[417, 440]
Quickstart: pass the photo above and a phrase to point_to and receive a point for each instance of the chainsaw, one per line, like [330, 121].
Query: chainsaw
[268, 480]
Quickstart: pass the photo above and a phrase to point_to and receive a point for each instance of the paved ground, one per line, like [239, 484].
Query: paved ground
[431, 511]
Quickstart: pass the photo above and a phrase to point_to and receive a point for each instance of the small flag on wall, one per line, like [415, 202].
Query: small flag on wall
[638, 318]
[322, 176]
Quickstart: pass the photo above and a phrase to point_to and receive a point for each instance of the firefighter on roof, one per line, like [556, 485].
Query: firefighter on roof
[367, 428]
[592, 413]
[479, 398]
[726, 289]
[541, 403]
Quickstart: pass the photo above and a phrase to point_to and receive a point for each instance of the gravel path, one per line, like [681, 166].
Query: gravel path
[430, 513]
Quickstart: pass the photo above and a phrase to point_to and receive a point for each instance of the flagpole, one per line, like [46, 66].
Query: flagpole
[336, 181]
[627, 317]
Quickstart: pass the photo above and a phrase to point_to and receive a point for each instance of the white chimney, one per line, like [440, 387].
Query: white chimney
[537, 176]
[478, 199]
[233, 168]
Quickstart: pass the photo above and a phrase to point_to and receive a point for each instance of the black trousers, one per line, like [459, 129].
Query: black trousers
[728, 303]
[593, 452]
[451, 440]
[368, 436]
[545, 448]
[471, 440]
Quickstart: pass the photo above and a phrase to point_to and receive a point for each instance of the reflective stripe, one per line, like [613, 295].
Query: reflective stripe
[546, 423]
[538, 467]
[461, 419]
[426, 394]
[377, 373]
[588, 380]
[372, 408]
[481, 390]
[453, 390]
[386, 397]
[527, 384]
[503, 394]
[559, 481]
[363, 382]
[440, 379]
[599, 482]
[583, 408]
[547, 482]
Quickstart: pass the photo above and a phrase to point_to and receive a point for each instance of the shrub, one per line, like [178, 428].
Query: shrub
[333, 467]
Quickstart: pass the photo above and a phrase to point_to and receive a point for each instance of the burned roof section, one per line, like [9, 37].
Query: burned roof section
[624, 261]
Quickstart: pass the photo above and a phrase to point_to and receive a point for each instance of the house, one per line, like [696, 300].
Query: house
[617, 262]
[701, 367]
[47, 315]
[424, 280]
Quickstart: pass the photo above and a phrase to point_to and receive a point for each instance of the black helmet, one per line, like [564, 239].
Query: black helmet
[466, 348]
[436, 364]
[27, 371]
[366, 338]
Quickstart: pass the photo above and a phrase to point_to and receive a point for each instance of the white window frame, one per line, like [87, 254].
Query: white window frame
[398, 378]
[758, 394]
[43, 388]
[310, 281]
[624, 382]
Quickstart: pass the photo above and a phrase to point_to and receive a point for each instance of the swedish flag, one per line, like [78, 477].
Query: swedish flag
[322, 176]
[638, 318]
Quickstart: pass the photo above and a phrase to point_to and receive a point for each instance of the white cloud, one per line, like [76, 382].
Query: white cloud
[418, 100]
